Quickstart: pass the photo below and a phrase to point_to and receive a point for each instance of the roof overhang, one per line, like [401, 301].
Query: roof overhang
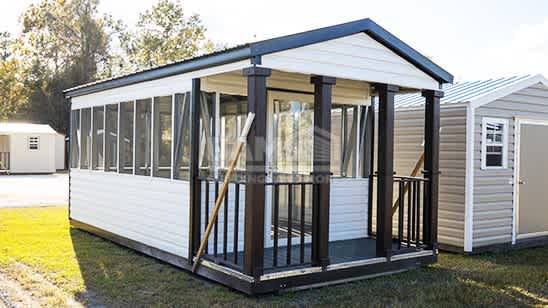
[254, 51]
[505, 91]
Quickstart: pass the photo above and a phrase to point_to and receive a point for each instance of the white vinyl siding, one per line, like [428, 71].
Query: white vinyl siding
[148, 210]
[348, 208]
[355, 57]
[493, 188]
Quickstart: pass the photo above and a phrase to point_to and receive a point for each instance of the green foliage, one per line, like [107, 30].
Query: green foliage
[165, 34]
[13, 94]
[64, 43]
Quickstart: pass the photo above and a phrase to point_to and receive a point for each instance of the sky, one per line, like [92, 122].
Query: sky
[469, 38]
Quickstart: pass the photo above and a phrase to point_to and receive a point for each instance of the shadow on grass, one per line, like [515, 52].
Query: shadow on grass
[117, 276]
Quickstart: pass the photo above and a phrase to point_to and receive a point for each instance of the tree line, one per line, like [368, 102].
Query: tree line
[64, 43]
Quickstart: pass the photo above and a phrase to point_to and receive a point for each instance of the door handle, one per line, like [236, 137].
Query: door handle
[521, 182]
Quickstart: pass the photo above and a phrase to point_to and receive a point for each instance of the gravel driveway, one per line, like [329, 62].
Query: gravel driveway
[33, 190]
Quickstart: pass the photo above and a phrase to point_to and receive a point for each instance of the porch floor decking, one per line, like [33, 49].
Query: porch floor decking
[341, 251]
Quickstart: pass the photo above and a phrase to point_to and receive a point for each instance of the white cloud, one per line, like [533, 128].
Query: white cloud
[525, 52]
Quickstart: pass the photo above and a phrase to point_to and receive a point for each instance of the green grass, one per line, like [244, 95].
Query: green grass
[96, 271]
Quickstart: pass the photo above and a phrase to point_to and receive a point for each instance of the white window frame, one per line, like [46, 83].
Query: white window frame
[484, 145]
[29, 142]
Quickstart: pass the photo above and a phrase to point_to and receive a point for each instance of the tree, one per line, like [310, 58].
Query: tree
[13, 95]
[165, 34]
[65, 43]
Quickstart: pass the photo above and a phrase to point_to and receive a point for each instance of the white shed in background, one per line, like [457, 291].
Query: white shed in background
[30, 148]
[493, 150]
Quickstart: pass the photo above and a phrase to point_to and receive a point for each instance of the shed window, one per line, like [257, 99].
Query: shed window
[85, 124]
[494, 143]
[344, 129]
[143, 125]
[233, 109]
[98, 162]
[34, 143]
[162, 136]
[111, 138]
[181, 126]
[125, 143]
[74, 138]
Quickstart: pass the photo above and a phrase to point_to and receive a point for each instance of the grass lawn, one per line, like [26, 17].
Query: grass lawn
[40, 250]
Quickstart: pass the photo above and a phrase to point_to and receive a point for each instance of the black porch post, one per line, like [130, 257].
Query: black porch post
[256, 172]
[431, 166]
[385, 164]
[194, 171]
[321, 169]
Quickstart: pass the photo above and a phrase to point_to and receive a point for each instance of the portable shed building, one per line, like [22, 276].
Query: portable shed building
[493, 147]
[149, 151]
[30, 148]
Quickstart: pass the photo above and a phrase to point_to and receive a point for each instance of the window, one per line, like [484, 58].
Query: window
[344, 128]
[494, 143]
[233, 116]
[111, 138]
[143, 126]
[293, 136]
[162, 137]
[34, 143]
[74, 138]
[125, 143]
[97, 160]
[181, 118]
[85, 122]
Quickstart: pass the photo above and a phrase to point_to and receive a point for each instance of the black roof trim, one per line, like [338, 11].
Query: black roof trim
[218, 58]
[257, 49]
[363, 25]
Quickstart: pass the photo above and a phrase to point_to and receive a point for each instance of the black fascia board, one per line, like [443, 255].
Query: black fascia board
[206, 61]
[364, 25]
[257, 49]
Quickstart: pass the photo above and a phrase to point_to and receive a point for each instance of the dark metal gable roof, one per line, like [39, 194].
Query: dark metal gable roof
[256, 49]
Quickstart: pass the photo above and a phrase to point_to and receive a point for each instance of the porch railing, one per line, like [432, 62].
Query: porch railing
[288, 233]
[225, 244]
[4, 161]
[409, 210]
[291, 223]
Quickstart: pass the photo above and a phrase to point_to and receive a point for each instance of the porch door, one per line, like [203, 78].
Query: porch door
[533, 176]
[289, 160]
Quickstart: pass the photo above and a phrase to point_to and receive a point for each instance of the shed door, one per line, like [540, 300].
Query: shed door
[533, 176]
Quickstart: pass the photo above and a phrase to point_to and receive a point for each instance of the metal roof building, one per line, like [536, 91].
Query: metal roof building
[30, 148]
[492, 160]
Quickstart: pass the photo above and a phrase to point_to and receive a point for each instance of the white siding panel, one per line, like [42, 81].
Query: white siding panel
[148, 210]
[493, 188]
[23, 160]
[356, 57]
[348, 208]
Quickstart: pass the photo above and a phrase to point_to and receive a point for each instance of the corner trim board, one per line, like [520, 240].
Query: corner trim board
[469, 180]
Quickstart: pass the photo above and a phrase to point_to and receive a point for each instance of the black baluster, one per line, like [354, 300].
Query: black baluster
[289, 221]
[303, 199]
[276, 222]
[236, 217]
[410, 191]
[225, 225]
